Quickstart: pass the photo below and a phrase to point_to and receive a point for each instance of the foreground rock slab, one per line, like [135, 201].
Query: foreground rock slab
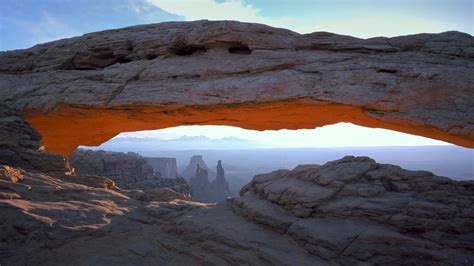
[349, 211]
[87, 89]
[341, 210]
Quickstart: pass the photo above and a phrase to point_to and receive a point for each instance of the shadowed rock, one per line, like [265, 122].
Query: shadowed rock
[344, 208]
[204, 191]
[342, 212]
[190, 170]
[20, 146]
[348, 211]
[87, 89]
[127, 170]
[164, 167]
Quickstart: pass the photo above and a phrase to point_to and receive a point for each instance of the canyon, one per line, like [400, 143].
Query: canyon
[164, 167]
[131, 171]
[128, 170]
[347, 211]
[85, 90]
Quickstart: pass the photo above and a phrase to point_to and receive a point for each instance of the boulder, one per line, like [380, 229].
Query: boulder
[11, 174]
[344, 208]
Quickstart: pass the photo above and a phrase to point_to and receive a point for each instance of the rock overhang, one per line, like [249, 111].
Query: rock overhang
[85, 90]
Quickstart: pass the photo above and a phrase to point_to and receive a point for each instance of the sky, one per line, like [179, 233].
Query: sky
[337, 135]
[24, 23]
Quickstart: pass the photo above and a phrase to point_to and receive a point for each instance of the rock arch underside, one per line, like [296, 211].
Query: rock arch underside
[87, 89]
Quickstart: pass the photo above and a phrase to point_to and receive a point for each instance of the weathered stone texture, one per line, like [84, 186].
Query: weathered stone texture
[232, 73]
[340, 210]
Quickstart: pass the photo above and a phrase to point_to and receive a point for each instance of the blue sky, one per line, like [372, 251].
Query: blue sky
[24, 23]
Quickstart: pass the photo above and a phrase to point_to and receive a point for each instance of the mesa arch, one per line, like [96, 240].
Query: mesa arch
[87, 89]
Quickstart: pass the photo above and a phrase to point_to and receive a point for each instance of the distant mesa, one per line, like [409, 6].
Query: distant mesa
[164, 167]
[129, 170]
[190, 170]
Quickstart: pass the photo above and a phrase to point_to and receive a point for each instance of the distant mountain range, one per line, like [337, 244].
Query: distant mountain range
[181, 143]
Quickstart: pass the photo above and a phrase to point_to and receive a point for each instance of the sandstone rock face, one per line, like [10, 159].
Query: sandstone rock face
[350, 211]
[87, 89]
[20, 146]
[204, 191]
[164, 167]
[160, 194]
[220, 176]
[220, 185]
[344, 208]
[127, 170]
[57, 221]
[190, 170]
[11, 174]
[200, 186]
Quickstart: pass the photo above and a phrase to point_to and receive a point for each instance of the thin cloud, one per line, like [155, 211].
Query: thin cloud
[356, 23]
[211, 10]
[47, 28]
[50, 28]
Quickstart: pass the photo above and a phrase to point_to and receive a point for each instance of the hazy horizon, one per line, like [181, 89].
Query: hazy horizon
[336, 135]
[253, 152]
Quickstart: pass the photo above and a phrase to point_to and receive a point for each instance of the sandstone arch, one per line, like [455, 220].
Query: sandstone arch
[85, 90]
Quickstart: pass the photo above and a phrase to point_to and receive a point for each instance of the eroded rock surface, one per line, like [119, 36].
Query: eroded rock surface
[127, 170]
[20, 145]
[190, 170]
[349, 211]
[87, 89]
[164, 167]
[204, 191]
[56, 220]
[340, 210]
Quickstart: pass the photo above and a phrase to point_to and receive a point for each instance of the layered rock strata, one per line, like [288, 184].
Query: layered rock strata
[87, 89]
[164, 167]
[20, 146]
[340, 210]
[190, 170]
[128, 170]
[204, 191]
[349, 211]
